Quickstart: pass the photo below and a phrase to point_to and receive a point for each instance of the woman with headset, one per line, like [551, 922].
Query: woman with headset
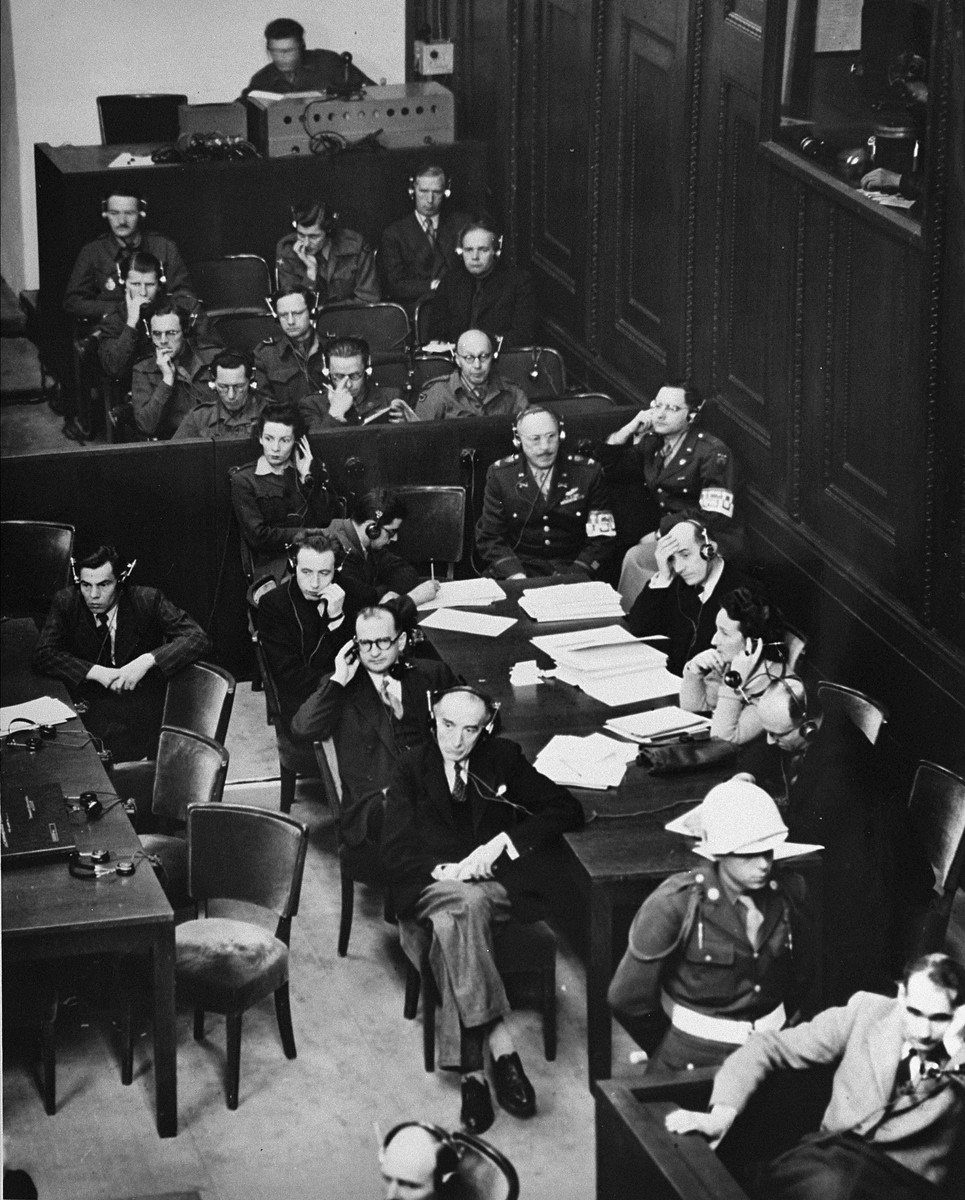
[751, 647]
[673, 466]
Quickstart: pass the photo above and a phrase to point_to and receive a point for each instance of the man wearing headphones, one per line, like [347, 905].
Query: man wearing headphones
[474, 389]
[295, 69]
[417, 251]
[115, 645]
[233, 405]
[484, 293]
[349, 395]
[838, 793]
[466, 821]
[331, 262]
[544, 512]
[374, 704]
[293, 362]
[682, 600]
[370, 572]
[167, 384]
[420, 1162]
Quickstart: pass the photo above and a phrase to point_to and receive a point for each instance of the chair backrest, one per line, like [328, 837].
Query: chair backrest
[272, 699]
[384, 325]
[867, 714]
[937, 810]
[189, 768]
[577, 404]
[237, 283]
[139, 117]
[393, 373]
[538, 370]
[428, 367]
[434, 527]
[35, 558]
[239, 852]
[331, 781]
[199, 698]
[420, 320]
[242, 332]
[484, 1173]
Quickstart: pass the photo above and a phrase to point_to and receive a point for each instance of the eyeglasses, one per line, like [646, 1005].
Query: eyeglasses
[382, 643]
[668, 408]
[352, 377]
[482, 359]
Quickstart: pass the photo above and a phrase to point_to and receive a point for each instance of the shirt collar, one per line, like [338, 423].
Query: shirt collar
[262, 467]
[392, 685]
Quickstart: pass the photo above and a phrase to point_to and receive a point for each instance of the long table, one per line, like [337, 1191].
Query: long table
[47, 913]
[623, 852]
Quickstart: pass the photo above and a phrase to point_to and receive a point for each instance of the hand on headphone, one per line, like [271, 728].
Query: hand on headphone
[302, 455]
[346, 663]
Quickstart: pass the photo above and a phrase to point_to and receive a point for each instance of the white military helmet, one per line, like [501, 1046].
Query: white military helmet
[738, 817]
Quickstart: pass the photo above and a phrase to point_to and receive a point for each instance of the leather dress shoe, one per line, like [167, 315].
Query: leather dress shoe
[477, 1107]
[75, 431]
[513, 1090]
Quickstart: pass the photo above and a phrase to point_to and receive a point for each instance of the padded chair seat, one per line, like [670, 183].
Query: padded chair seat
[172, 852]
[224, 965]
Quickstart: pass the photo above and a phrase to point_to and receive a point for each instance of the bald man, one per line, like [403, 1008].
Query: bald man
[474, 389]
[409, 1159]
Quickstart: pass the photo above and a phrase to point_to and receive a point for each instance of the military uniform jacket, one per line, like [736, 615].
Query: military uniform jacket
[501, 304]
[408, 261]
[518, 522]
[689, 941]
[212, 420]
[450, 397]
[119, 346]
[159, 407]
[701, 480]
[373, 398]
[346, 270]
[289, 375]
[506, 794]
[367, 577]
[93, 288]
[318, 70]
[270, 507]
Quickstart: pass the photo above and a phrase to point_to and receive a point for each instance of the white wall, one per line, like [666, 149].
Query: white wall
[67, 52]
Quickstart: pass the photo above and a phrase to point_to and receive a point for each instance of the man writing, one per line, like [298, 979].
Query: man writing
[417, 251]
[895, 1126]
[115, 645]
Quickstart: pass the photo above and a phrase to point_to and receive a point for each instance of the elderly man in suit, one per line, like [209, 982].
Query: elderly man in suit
[466, 820]
[418, 250]
[895, 1126]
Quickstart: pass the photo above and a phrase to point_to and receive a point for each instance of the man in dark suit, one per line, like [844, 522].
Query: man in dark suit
[679, 600]
[375, 706]
[466, 820]
[115, 646]
[417, 251]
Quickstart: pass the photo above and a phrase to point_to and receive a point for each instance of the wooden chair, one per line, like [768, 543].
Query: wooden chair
[519, 949]
[867, 714]
[538, 370]
[421, 318]
[484, 1173]
[199, 698]
[139, 117]
[936, 807]
[35, 557]
[384, 325]
[255, 857]
[435, 525]
[235, 285]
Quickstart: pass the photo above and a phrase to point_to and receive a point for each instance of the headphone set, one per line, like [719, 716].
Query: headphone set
[292, 549]
[364, 353]
[327, 219]
[412, 178]
[93, 864]
[246, 363]
[707, 550]
[492, 707]
[121, 573]
[187, 318]
[447, 1156]
[798, 709]
[528, 412]
[141, 205]
[374, 527]
[121, 276]
[311, 301]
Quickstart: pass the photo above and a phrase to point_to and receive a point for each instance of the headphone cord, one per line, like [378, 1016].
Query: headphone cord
[639, 812]
[220, 578]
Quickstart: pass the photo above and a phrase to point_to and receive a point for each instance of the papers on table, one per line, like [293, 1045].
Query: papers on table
[126, 159]
[659, 722]
[571, 602]
[610, 664]
[526, 674]
[613, 691]
[467, 622]
[887, 199]
[468, 592]
[45, 710]
[596, 761]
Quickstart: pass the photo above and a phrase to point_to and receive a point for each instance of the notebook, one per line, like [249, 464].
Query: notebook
[34, 824]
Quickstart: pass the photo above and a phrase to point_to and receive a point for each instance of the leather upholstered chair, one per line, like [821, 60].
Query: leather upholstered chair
[869, 715]
[199, 698]
[35, 559]
[384, 325]
[936, 808]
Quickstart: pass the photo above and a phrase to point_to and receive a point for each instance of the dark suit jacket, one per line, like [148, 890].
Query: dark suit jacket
[357, 721]
[367, 577]
[505, 306]
[408, 262]
[507, 795]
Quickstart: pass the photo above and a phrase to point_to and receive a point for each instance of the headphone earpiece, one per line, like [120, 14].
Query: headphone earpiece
[122, 574]
[374, 528]
[412, 178]
[707, 551]
[798, 710]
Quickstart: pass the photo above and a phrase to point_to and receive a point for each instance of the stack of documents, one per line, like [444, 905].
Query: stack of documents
[610, 664]
[470, 593]
[457, 621]
[45, 710]
[571, 602]
[658, 723]
[588, 762]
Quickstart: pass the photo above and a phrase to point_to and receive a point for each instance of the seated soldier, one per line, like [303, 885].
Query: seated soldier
[295, 69]
[679, 600]
[544, 512]
[331, 262]
[466, 820]
[115, 645]
[285, 490]
[370, 572]
[293, 362]
[484, 293]
[895, 1125]
[417, 251]
[726, 948]
[166, 386]
[349, 397]
[122, 336]
[234, 404]
[474, 389]
[374, 704]
[304, 621]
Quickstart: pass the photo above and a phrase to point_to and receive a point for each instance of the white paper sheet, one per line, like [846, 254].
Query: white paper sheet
[45, 710]
[467, 622]
[641, 726]
[596, 761]
[468, 592]
[616, 690]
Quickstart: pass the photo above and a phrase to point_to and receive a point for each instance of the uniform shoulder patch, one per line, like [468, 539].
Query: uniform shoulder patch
[507, 461]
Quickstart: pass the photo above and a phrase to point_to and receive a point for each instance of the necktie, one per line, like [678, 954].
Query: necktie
[391, 702]
[430, 233]
[459, 785]
[104, 625]
[753, 919]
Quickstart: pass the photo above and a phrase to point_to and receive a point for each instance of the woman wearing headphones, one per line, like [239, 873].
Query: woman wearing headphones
[751, 647]
[674, 466]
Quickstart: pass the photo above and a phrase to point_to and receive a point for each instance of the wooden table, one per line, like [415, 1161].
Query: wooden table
[49, 914]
